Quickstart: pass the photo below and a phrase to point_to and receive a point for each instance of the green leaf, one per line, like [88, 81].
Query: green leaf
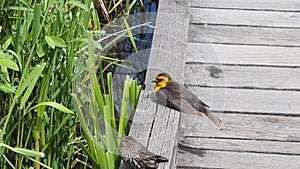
[29, 83]
[38, 162]
[50, 41]
[9, 64]
[18, 57]
[6, 88]
[7, 43]
[40, 51]
[124, 115]
[54, 105]
[79, 4]
[24, 151]
[36, 22]
[59, 42]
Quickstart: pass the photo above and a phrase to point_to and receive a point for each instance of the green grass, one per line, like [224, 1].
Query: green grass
[44, 122]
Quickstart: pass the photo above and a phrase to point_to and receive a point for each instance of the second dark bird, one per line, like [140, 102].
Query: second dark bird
[175, 96]
[136, 156]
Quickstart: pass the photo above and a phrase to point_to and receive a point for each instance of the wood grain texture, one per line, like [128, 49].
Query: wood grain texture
[236, 145]
[245, 18]
[288, 5]
[246, 55]
[244, 127]
[244, 35]
[250, 100]
[243, 54]
[276, 78]
[155, 126]
[243, 137]
[235, 160]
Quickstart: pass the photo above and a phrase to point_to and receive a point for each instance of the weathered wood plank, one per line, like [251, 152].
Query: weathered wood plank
[287, 5]
[243, 54]
[245, 17]
[243, 76]
[142, 122]
[154, 126]
[253, 45]
[236, 145]
[166, 124]
[169, 46]
[243, 126]
[225, 159]
[249, 100]
[244, 35]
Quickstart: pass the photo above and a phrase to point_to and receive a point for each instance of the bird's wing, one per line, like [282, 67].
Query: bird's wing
[192, 98]
[189, 103]
[180, 92]
[162, 97]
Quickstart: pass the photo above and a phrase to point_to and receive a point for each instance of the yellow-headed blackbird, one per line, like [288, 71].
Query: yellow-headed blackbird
[175, 96]
[136, 156]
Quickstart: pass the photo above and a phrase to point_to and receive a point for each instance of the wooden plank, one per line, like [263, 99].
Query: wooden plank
[254, 146]
[154, 126]
[249, 100]
[243, 126]
[245, 18]
[243, 76]
[243, 54]
[244, 35]
[166, 125]
[287, 5]
[225, 159]
[167, 56]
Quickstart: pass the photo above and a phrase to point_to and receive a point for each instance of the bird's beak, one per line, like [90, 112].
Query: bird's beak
[154, 81]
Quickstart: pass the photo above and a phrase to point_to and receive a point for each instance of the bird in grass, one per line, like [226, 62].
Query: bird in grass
[136, 156]
[175, 96]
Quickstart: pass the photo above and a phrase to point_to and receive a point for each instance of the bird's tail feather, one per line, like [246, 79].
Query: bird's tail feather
[215, 120]
[161, 159]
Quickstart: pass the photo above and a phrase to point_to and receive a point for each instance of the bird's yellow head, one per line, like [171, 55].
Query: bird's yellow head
[161, 81]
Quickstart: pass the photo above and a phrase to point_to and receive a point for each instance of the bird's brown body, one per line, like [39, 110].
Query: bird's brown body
[175, 96]
[136, 156]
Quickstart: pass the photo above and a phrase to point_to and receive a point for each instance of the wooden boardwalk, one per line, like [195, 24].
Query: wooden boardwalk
[245, 55]
[242, 57]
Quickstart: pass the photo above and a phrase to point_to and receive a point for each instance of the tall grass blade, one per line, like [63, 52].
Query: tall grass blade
[54, 105]
[130, 35]
[36, 22]
[115, 6]
[124, 115]
[24, 151]
[30, 83]
[111, 98]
